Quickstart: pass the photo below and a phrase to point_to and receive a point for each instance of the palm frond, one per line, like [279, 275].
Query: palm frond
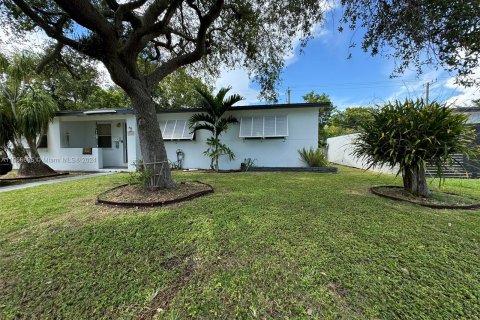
[202, 126]
[222, 124]
[208, 101]
[35, 111]
[220, 96]
[201, 117]
[230, 101]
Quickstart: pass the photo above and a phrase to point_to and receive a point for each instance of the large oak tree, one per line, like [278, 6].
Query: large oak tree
[255, 34]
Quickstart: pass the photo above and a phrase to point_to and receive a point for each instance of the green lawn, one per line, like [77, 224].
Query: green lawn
[264, 245]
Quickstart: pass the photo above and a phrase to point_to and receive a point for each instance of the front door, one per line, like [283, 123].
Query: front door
[111, 141]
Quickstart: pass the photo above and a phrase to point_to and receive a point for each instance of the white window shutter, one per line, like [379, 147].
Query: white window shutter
[246, 127]
[264, 126]
[175, 130]
[179, 127]
[269, 127]
[187, 132]
[162, 125]
[169, 127]
[257, 127]
[281, 126]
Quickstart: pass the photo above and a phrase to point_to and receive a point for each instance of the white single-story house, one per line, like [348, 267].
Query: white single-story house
[107, 139]
[340, 152]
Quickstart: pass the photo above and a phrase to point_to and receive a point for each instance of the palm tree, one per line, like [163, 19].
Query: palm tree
[213, 120]
[25, 111]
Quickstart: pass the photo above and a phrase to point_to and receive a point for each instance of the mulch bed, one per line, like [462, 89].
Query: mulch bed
[19, 178]
[399, 194]
[135, 195]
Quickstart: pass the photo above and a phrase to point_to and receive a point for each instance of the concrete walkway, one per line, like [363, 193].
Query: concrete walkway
[41, 183]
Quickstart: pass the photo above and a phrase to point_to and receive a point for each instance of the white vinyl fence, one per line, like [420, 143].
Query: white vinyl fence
[340, 151]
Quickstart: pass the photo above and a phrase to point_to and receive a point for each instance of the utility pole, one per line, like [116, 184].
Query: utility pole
[427, 93]
[288, 95]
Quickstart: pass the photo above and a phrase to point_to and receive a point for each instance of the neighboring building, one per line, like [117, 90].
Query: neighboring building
[107, 139]
[340, 152]
[472, 166]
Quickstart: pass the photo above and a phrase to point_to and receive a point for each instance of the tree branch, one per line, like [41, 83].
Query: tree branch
[124, 12]
[49, 30]
[85, 14]
[200, 48]
[154, 11]
[50, 57]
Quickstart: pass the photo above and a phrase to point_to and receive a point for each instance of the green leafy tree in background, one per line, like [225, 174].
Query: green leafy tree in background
[177, 91]
[422, 32]
[409, 134]
[25, 112]
[75, 83]
[353, 118]
[324, 114]
[215, 121]
[112, 97]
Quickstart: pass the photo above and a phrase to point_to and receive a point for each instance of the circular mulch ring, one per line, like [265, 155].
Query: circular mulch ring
[129, 195]
[391, 195]
[35, 177]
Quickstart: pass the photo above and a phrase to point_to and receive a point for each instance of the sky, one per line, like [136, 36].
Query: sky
[362, 80]
[323, 67]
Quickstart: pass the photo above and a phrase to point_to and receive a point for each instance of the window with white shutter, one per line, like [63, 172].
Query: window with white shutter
[275, 126]
[176, 130]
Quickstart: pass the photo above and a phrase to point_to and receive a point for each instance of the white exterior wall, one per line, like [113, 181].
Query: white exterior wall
[64, 154]
[340, 151]
[133, 146]
[277, 152]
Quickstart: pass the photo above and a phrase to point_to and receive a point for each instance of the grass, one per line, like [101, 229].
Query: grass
[437, 197]
[13, 175]
[265, 245]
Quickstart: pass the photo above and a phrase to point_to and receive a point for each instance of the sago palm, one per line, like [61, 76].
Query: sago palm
[215, 121]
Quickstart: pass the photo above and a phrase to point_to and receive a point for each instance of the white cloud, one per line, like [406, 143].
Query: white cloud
[104, 79]
[239, 80]
[32, 41]
[463, 96]
[413, 86]
[442, 89]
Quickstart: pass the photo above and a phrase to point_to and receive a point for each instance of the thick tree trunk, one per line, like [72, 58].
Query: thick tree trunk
[152, 147]
[415, 182]
[32, 166]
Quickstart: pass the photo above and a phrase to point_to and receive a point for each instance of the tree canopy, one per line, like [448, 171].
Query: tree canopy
[75, 83]
[352, 119]
[254, 34]
[421, 32]
[178, 91]
[324, 114]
